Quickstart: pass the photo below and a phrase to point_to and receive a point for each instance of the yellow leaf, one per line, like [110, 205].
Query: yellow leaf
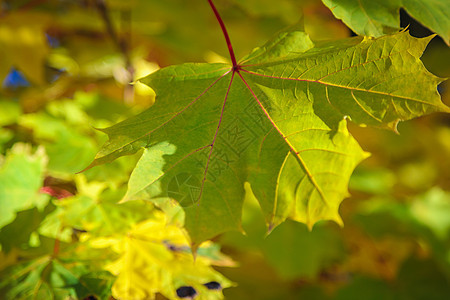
[155, 257]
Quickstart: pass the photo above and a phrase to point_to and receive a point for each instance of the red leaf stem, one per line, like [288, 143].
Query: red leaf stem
[225, 33]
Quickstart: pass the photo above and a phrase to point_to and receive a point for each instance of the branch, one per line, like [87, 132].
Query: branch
[121, 44]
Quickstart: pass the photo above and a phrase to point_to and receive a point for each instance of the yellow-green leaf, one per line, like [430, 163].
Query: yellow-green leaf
[277, 120]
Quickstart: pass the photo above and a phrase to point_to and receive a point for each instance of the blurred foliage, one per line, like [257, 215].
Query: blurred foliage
[67, 236]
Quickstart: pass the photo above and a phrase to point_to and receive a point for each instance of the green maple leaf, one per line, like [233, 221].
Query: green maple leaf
[375, 18]
[277, 120]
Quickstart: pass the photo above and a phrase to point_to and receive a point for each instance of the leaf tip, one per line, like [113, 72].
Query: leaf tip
[270, 227]
[194, 250]
[338, 221]
[310, 225]
[365, 155]
[104, 130]
[91, 165]
[393, 126]
[427, 39]
[242, 230]
[124, 199]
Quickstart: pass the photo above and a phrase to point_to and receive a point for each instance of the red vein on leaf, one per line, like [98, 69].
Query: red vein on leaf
[175, 115]
[190, 104]
[292, 148]
[225, 33]
[338, 86]
[215, 137]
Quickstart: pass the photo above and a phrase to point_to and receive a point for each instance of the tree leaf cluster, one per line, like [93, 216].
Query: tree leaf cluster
[215, 179]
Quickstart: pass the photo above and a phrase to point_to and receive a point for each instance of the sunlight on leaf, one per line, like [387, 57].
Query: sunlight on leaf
[156, 257]
[433, 209]
[21, 175]
[279, 121]
[375, 18]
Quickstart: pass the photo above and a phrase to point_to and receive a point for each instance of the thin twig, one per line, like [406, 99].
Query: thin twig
[121, 44]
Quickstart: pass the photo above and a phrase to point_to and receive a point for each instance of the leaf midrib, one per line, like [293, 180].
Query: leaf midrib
[340, 86]
[285, 138]
[292, 148]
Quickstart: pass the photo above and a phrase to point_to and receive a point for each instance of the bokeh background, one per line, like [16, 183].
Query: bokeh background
[64, 69]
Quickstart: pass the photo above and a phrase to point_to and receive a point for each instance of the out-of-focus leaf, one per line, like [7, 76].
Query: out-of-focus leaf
[155, 257]
[433, 210]
[39, 279]
[17, 233]
[420, 222]
[94, 209]
[99, 107]
[5, 136]
[320, 23]
[372, 181]
[9, 112]
[95, 284]
[296, 252]
[21, 176]
[422, 279]
[375, 18]
[23, 45]
[286, 9]
[417, 280]
[378, 256]
[418, 175]
[429, 210]
[67, 148]
[48, 278]
[166, 27]
[372, 289]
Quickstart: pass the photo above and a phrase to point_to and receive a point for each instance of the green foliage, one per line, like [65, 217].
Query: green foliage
[290, 126]
[161, 262]
[257, 148]
[295, 252]
[57, 249]
[20, 179]
[47, 278]
[376, 18]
